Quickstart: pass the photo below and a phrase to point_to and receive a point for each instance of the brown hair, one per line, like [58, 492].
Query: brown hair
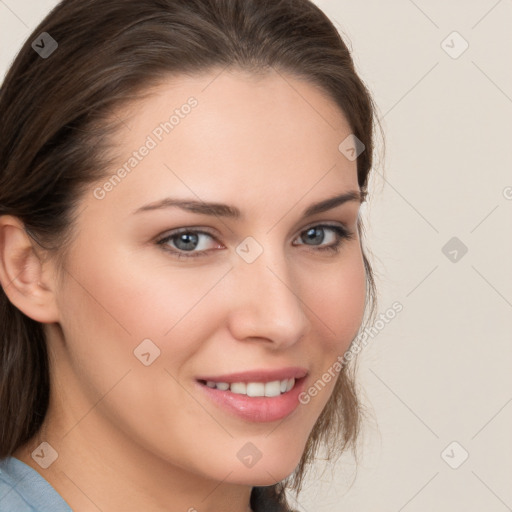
[57, 120]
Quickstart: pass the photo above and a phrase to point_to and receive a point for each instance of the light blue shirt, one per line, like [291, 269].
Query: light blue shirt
[23, 489]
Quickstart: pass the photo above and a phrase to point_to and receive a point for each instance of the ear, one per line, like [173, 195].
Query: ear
[26, 278]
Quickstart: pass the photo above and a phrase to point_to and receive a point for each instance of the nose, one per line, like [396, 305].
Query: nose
[266, 301]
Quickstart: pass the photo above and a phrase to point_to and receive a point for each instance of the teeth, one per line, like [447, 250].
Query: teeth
[255, 389]
[239, 387]
[274, 388]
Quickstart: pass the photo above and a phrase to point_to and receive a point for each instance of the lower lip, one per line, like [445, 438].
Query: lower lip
[257, 409]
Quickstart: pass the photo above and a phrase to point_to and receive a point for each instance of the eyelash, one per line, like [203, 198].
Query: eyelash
[342, 233]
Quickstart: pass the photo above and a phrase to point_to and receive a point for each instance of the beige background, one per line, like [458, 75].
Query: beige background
[440, 371]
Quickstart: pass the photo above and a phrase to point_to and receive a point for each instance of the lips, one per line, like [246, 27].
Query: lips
[253, 406]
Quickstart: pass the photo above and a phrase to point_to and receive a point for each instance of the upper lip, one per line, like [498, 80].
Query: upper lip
[261, 375]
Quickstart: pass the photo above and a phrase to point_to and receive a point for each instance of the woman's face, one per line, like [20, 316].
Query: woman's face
[147, 315]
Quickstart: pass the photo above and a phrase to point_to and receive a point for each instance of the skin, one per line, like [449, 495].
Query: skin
[135, 437]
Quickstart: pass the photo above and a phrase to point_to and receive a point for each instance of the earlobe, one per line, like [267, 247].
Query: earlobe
[24, 276]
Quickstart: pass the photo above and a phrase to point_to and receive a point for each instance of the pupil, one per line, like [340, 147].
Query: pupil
[188, 239]
[310, 233]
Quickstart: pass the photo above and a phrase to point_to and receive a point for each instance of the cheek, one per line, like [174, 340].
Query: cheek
[130, 298]
[336, 298]
[107, 311]
[119, 313]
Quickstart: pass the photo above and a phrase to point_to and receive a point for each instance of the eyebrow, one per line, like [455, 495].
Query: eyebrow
[225, 210]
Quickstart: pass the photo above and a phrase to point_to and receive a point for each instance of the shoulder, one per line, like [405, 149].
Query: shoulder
[23, 489]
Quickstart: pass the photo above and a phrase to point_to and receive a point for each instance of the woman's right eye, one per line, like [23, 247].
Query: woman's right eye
[186, 243]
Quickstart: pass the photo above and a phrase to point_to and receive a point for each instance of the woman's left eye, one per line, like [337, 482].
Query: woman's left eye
[187, 240]
[340, 233]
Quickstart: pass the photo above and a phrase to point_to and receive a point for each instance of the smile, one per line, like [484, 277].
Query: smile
[254, 401]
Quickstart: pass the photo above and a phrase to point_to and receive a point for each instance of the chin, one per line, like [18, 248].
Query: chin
[267, 471]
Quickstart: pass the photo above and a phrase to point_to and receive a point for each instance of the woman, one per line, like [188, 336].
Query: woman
[182, 265]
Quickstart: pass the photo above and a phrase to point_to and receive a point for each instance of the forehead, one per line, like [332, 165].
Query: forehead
[268, 138]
